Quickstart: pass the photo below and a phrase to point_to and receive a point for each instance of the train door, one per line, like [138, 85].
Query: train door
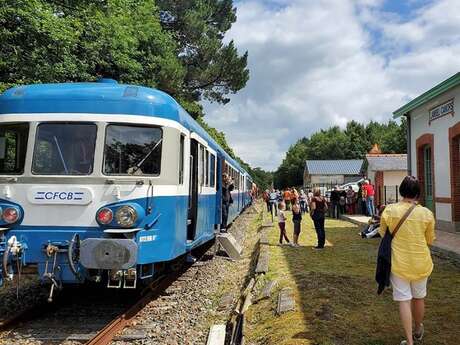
[193, 192]
[240, 195]
[219, 172]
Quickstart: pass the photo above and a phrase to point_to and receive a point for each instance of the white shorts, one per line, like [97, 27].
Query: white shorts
[404, 290]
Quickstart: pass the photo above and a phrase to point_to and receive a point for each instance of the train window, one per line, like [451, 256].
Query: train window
[64, 149]
[132, 150]
[181, 160]
[206, 166]
[212, 170]
[13, 146]
[202, 165]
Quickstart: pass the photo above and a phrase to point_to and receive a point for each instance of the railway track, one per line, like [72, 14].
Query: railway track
[92, 316]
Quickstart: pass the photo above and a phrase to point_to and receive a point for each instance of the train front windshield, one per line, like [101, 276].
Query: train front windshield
[64, 149]
[132, 150]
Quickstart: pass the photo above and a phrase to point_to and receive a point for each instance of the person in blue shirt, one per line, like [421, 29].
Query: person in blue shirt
[273, 198]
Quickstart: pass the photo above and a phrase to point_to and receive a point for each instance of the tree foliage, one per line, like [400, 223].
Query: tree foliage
[213, 69]
[176, 47]
[173, 45]
[59, 41]
[353, 142]
[262, 178]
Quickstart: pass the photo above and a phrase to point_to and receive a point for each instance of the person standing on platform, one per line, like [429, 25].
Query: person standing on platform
[318, 208]
[297, 220]
[227, 188]
[342, 201]
[303, 201]
[369, 191]
[350, 200]
[335, 198]
[359, 199]
[411, 262]
[309, 198]
[287, 199]
[282, 222]
[273, 200]
[294, 196]
[266, 197]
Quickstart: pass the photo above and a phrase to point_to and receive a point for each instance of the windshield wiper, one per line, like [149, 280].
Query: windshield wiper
[142, 161]
[61, 155]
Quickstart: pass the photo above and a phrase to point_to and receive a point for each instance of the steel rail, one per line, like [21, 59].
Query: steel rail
[108, 333]
[20, 316]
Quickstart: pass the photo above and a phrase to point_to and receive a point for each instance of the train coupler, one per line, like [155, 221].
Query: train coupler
[126, 279]
[115, 279]
[53, 274]
[13, 259]
[130, 278]
[3, 247]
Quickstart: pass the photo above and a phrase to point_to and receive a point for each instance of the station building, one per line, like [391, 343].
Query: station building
[337, 172]
[434, 149]
[386, 172]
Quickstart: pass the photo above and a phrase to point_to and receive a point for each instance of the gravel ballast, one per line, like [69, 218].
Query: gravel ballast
[192, 304]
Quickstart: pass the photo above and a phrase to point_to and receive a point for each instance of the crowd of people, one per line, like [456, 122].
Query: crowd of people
[410, 257]
[339, 200]
[349, 201]
[278, 202]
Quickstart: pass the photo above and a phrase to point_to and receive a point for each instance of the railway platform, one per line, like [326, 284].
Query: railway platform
[334, 293]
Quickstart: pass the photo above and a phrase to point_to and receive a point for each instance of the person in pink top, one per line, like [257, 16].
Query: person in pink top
[369, 192]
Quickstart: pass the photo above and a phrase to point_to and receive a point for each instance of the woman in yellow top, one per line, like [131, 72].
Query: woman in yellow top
[411, 263]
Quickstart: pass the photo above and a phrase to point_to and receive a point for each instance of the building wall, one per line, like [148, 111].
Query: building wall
[439, 129]
[393, 177]
[371, 176]
[323, 179]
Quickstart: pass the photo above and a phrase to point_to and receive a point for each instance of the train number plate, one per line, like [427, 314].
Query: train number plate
[60, 195]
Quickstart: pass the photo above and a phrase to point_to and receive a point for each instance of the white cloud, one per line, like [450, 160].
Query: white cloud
[315, 64]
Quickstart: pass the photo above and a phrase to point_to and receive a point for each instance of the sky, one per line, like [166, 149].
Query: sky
[318, 63]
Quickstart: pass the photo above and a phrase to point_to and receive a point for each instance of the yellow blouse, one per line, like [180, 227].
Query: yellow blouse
[410, 254]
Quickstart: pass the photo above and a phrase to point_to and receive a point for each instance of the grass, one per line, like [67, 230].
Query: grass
[336, 297]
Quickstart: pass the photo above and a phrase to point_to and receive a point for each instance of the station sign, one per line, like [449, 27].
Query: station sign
[446, 108]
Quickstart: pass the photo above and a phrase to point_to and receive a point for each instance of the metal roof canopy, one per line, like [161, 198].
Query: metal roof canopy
[334, 167]
[429, 95]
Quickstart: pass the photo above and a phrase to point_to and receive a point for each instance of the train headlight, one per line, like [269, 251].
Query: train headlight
[10, 215]
[104, 216]
[126, 216]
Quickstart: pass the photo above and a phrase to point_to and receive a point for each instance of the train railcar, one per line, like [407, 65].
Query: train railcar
[103, 182]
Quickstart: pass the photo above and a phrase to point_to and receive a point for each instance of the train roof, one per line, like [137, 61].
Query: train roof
[103, 97]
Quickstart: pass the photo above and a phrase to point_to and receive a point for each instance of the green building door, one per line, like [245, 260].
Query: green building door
[428, 180]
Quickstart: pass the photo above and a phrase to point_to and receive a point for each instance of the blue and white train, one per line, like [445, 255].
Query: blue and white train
[106, 182]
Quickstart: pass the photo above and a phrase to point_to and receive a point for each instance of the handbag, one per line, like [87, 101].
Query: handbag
[383, 269]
